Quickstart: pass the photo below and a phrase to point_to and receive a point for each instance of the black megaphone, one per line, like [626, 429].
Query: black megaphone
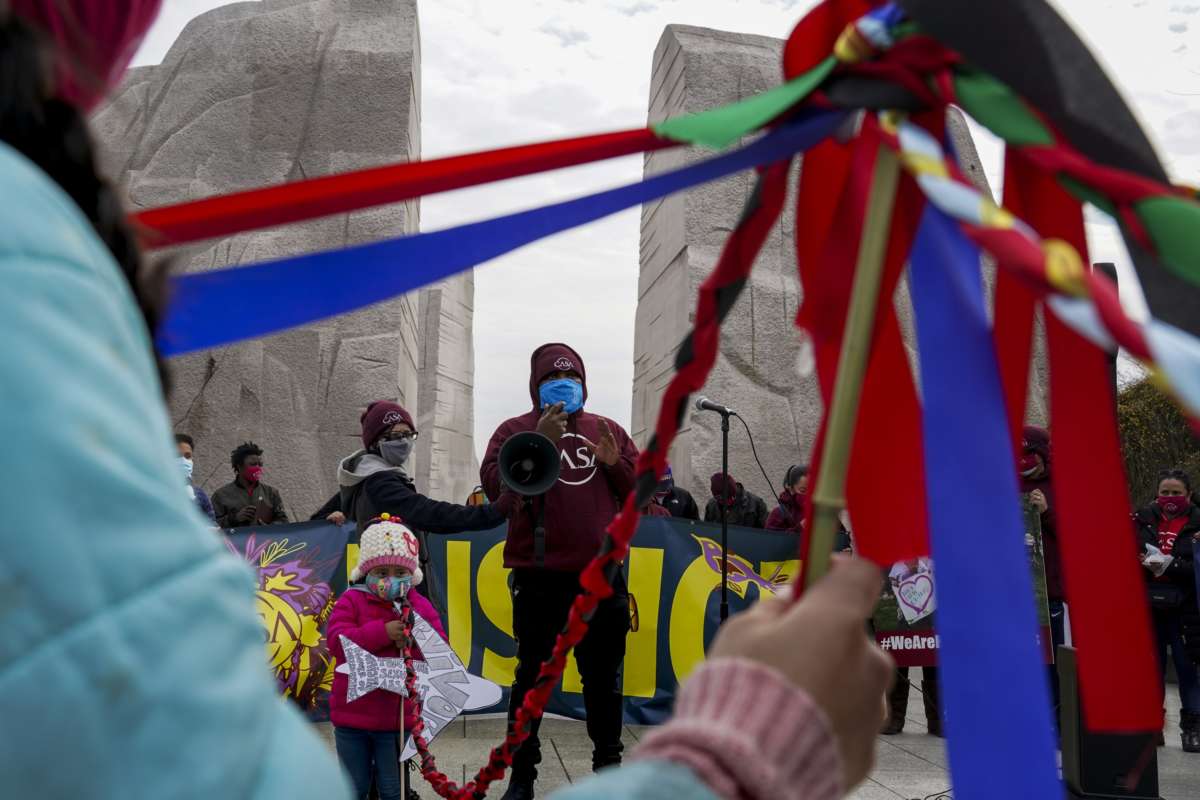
[529, 463]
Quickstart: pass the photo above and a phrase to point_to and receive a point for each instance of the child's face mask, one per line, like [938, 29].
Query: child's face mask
[389, 587]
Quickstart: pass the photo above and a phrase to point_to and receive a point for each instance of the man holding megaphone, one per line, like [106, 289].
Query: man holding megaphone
[552, 538]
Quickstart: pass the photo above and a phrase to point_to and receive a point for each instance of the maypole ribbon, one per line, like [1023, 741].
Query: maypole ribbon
[238, 212]
[885, 479]
[994, 687]
[297, 201]
[695, 358]
[1051, 267]
[1014, 312]
[1120, 685]
[210, 309]
[1115, 682]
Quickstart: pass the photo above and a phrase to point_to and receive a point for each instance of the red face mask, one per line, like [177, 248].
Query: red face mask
[1028, 464]
[254, 474]
[1173, 505]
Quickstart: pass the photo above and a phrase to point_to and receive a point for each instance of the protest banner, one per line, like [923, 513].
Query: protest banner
[674, 577]
[905, 618]
[300, 570]
[673, 573]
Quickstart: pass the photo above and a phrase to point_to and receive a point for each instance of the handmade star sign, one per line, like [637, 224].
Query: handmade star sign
[367, 672]
[445, 686]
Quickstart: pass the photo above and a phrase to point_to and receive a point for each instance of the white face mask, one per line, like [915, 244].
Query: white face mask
[186, 465]
[396, 452]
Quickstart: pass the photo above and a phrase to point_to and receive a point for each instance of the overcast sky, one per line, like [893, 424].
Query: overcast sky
[498, 73]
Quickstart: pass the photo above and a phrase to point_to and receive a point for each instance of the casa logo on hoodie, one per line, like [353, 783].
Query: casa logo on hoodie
[577, 462]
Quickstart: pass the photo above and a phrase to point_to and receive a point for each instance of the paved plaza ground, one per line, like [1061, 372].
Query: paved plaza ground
[909, 765]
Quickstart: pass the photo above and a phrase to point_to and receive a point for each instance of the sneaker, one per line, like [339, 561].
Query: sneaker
[1189, 732]
[518, 790]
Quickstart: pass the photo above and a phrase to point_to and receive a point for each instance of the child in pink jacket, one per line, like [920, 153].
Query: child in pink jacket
[365, 730]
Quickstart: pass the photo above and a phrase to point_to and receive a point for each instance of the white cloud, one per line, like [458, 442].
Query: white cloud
[566, 36]
[495, 74]
[640, 7]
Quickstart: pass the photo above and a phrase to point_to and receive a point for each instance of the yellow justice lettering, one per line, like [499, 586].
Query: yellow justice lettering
[641, 648]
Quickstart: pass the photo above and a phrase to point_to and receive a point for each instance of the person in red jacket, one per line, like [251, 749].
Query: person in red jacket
[366, 730]
[1168, 530]
[552, 538]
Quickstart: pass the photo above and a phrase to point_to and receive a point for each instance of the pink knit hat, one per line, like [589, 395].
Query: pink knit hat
[387, 543]
[94, 41]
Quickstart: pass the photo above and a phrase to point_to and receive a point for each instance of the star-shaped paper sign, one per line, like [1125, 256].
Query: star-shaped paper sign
[447, 689]
[367, 672]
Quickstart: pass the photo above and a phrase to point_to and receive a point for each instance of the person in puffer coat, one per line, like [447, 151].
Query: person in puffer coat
[132, 661]
[366, 730]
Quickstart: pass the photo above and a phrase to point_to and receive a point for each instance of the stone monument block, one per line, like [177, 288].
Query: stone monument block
[260, 93]
[759, 371]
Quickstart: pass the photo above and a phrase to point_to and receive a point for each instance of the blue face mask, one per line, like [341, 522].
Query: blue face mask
[186, 465]
[563, 390]
[389, 588]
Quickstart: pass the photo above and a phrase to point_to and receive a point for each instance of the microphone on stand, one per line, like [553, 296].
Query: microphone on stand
[704, 404]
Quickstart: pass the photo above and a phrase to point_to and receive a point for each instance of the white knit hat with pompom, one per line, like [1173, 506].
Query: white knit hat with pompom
[386, 542]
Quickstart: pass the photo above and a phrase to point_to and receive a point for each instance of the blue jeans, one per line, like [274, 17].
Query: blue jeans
[363, 752]
[1168, 632]
[1058, 635]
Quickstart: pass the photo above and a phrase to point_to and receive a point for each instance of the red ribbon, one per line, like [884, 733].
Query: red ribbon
[225, 215]
[1015, 306]
[885, 483]
[1118, 677]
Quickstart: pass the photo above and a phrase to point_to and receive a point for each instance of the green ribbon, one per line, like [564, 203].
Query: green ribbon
[999, 109]
[1172, 223]
[721, 127]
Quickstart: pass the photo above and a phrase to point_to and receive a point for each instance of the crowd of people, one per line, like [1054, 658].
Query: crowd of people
[120, 603]
[549, 542]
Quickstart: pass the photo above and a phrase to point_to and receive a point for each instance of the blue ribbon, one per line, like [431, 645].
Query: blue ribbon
[209, 309]
[1000, 734]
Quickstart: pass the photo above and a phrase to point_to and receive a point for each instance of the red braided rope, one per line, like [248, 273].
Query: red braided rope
[697, 356]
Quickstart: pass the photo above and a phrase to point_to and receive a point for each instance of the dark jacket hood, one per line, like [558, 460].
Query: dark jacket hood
[550, 358]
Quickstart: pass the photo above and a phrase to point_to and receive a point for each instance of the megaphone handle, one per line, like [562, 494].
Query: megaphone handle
[539, 534]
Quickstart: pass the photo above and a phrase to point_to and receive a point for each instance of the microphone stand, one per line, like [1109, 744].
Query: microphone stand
[724, 517]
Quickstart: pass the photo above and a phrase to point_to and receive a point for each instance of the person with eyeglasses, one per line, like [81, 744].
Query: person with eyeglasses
[374, 481]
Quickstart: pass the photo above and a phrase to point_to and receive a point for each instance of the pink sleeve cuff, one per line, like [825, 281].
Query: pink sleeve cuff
[749, 733]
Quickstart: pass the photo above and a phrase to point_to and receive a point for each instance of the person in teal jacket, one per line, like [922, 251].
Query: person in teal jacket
[131, 663]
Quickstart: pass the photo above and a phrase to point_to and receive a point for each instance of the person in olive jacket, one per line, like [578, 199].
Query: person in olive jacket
[247, 500]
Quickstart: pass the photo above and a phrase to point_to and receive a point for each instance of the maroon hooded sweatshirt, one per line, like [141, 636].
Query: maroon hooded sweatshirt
[588, 494]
